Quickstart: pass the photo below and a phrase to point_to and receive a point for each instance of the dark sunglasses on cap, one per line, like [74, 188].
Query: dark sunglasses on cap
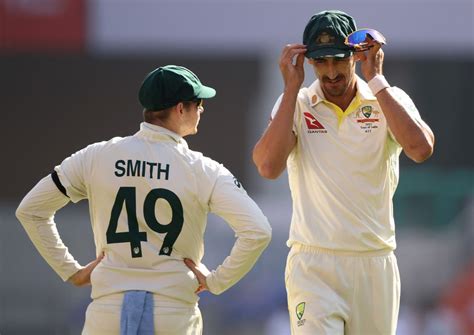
[359, 39]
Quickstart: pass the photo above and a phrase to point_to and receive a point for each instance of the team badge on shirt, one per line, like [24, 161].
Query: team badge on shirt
[367, 118]
[300, 312]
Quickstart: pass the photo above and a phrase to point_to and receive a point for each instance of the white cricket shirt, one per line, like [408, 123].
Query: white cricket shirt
[343, 171]
[149, 196]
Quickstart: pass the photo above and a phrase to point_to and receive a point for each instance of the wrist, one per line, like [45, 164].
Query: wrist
[378, 83]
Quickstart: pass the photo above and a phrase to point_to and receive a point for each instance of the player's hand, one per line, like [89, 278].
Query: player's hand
[293, 70]
[371, 60]
[83, 276]
[201, 273]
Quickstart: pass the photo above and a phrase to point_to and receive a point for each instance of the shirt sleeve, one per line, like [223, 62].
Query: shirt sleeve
[74, 171]
[231, 202]
[36, 214]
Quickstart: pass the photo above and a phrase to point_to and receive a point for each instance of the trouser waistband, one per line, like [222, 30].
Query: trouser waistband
[319, 250]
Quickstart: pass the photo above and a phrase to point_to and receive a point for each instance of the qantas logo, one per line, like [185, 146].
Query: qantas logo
[314, 126]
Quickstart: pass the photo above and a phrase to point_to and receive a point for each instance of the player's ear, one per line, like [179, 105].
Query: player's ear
[180, 108]
[310, 61]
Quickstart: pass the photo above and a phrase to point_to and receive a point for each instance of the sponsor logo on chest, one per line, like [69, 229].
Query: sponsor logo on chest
[312, 124]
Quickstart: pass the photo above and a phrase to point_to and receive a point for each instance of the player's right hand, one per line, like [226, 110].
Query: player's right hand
[83, 276]
[291, 70]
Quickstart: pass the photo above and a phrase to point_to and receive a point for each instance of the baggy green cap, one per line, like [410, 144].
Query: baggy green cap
[166, 86]
[325, 33]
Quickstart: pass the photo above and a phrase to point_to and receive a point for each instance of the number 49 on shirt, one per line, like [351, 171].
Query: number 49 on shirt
[172, 230]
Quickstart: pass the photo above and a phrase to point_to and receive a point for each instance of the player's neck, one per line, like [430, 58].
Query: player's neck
[168, 124]
[343, 101]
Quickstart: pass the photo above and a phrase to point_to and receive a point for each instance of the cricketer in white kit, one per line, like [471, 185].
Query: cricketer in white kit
[149, 196]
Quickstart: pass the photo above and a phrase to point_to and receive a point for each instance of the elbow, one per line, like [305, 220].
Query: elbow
[267, 235]
[262, 235]
[421, 153]
[265, 167]
[25, 211]
[424, 148]
[20, 212]
[269, 171]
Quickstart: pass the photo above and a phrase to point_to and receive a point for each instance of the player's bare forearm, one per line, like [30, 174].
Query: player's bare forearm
[272, 150]
[413, 134]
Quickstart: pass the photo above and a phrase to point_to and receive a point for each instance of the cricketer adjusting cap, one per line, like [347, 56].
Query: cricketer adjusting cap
[168, 85]
[325, 33]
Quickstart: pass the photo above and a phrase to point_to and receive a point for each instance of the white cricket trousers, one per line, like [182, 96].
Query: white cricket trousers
[103, 318]
[342, 293]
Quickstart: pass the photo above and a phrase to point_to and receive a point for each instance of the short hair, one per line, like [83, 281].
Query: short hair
[162, 115]
[151, 116]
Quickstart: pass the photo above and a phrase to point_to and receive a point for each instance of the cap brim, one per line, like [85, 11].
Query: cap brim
[206, 92]
[328, 52]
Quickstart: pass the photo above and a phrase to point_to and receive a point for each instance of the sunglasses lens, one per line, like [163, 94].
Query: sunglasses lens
[362, 36]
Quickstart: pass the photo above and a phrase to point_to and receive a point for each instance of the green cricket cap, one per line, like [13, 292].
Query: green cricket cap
[166, 86]
[326, 32]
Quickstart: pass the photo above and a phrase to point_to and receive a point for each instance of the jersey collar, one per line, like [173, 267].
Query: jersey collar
[155, 132]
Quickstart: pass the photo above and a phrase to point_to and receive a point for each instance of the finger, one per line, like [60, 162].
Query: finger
[362, 56]
[190, 264]
[294, 46]
[99, 258]
[200, 289]
[300, 60]
[374, 46]
[92, 265]
[293, 49]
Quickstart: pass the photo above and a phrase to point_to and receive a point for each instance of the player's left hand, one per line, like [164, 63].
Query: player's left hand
[83, 276]
[371, 60]
[201, 273]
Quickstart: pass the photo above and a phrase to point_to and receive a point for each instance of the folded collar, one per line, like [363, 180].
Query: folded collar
[155, 132]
